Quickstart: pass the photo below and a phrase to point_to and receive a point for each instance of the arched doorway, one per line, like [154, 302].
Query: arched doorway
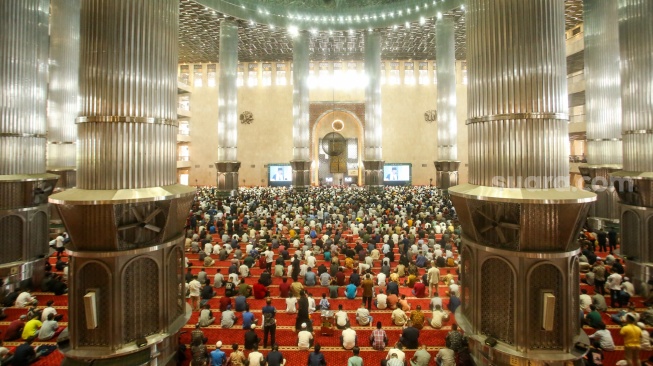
[346, 166]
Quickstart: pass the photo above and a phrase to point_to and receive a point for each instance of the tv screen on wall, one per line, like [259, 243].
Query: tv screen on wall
[279, 174]
[396, 173]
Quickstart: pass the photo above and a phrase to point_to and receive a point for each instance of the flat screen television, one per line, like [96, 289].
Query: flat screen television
[279, 175]
[397, 174]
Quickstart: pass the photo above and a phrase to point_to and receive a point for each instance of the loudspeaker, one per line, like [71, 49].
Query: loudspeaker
[548, 310]
[90, 309]
[490, 341]
[140, 342]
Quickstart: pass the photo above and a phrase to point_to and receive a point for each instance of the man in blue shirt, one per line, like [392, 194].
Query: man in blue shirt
[241, 303]
[420, 261]
[316, 358]
[309, 278]
[325, 279]
[392, 288]
[454, 303]
[350, 291]
[248, 318]
[217, 356]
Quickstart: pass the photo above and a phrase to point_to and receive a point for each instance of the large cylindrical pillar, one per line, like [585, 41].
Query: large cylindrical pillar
[63, 90]
[445, 53]
[24, 184]
[126, 216]
[519, 216]
[227, 165]
[603, 106]
[301, 164]
[635, 183]
[373, 157]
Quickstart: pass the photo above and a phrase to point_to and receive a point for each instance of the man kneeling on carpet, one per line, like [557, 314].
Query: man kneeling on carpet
[228, 318]
[218, 356]
[50, 329]
[348, 339]
[251, 338]
[304, 338]
[275, 358]
[237, 357]
[363, 316]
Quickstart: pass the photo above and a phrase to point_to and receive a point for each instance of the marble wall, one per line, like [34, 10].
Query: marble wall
[407, 137]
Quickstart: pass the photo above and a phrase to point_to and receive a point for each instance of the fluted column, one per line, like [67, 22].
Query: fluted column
[635, 183]
[227, 165]
[63, 90]
[445, 53]
[372, 158]
[126, 216]
[603, 106]
[24, 184]
[519, 216]
[301, 164]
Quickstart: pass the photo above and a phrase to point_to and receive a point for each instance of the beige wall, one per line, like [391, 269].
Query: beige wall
[407, 137]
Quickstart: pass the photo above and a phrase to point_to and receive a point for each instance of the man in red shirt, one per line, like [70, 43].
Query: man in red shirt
[15, 329]
[340, 277]
[419, 289]
[224, 302]
[260, 291]
[284, 288]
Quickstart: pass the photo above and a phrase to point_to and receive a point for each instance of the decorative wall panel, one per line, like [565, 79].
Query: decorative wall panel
[11, 238]
[545, 278]
[467, 281]
[94, 276]
[141, 291]
[38, 234]
[177, 283]
[630, 238]
[498, 292]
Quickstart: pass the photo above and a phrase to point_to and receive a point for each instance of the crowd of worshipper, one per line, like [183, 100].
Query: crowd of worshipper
[263, 226]
[38, 323]
[607, 276]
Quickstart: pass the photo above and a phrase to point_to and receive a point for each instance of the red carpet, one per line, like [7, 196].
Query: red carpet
[286, 336]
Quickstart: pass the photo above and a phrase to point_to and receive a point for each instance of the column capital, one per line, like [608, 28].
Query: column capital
[446, 165]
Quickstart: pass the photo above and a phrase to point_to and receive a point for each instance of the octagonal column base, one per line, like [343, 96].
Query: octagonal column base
[505, 355]
[446, 173]
[227, 177]
[374, 174]
[301, 174]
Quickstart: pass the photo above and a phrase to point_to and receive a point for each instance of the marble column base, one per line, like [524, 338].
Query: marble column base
[116, 236]
[301, 174]
[597, 179]
[373, 174]
[67, 180]
[518, 245]
[227, 176]
[636, 228]
[25, 214]
[67, 177]
[446, 173]
[23, 274]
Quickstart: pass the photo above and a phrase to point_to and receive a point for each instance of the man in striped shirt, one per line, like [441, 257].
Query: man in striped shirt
[378, 338]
